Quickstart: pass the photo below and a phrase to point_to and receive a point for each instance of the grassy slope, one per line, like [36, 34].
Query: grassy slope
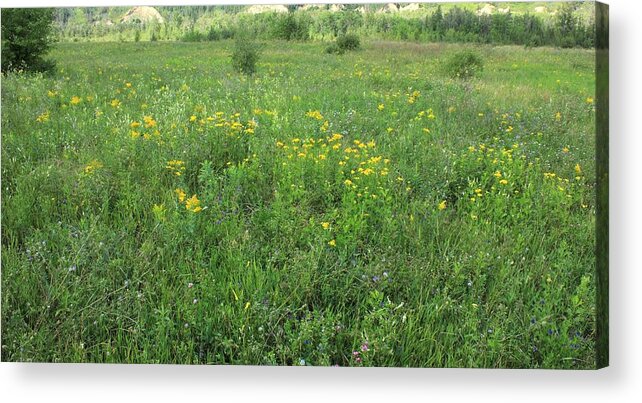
[91, 272]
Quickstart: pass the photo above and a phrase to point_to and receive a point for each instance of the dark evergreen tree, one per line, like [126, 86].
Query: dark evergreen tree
[26, 39]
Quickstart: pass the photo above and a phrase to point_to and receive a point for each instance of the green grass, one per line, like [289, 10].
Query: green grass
[342, 200]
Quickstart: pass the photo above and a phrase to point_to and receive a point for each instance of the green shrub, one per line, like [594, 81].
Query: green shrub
[343, 44]
[465, 64]
[26, 39]
[333, 48]
[245, 56]
[213, 34]
[348, 42]
[193, 36]
[290, 28]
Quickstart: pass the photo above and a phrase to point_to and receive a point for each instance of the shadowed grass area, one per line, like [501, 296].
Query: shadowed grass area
[362, 209]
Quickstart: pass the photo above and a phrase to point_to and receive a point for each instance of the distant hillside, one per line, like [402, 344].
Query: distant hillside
[532, 23]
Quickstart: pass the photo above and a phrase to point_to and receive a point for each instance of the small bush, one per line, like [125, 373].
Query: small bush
[464, 65]
[213, 34]
[333, 48]
[290, 28]
[193, 36]
[245, 56]
[343, 44]
[348, 42]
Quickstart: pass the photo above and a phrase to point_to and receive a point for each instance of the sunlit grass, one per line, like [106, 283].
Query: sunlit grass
[362, 209]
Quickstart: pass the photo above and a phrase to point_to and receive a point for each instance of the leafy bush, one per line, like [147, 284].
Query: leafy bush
[291, 28]
[26, 39]
[245, 56]
[465, 64]
[193, 36]
[333, 48]
[348, 42]
[343, 44]
[217, 34]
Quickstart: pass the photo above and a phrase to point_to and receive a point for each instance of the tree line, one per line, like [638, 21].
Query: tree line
[208, 23]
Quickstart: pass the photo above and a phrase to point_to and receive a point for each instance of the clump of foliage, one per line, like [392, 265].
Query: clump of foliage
[334, 49]
[344, 43]
[193, 36]
[291, 28]
[465, 64]
[348, 42]
[26, 39]
[245, 55]
[217, 34]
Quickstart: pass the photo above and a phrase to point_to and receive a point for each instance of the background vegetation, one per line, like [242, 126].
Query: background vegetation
[568, 24]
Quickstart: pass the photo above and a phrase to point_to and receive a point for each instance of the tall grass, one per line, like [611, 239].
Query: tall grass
[367, 210]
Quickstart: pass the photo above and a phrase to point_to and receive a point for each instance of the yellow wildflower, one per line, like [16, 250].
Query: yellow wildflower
[115, 103]
[314, 114]
[149, 121]
[193, 204]
[325, 225]
[503, 182]
[578, 169]
[43, 117]
[332, 243]
[181, 194]
[442, 205]
[75, 100]
[176, 166]
[92, 166]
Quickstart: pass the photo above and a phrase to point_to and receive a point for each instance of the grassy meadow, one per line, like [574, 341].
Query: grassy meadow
[354, 210]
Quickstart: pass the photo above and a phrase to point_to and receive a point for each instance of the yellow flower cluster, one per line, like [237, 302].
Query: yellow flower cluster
[149, 123]
[427, 114]
[92, 166]
[192, 204]
[44, 117]
[315, 115]
[176, 166]
[232, 123]
[413, 97]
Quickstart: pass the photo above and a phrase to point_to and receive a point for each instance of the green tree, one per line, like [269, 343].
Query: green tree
[245, 55]
[26, 39]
